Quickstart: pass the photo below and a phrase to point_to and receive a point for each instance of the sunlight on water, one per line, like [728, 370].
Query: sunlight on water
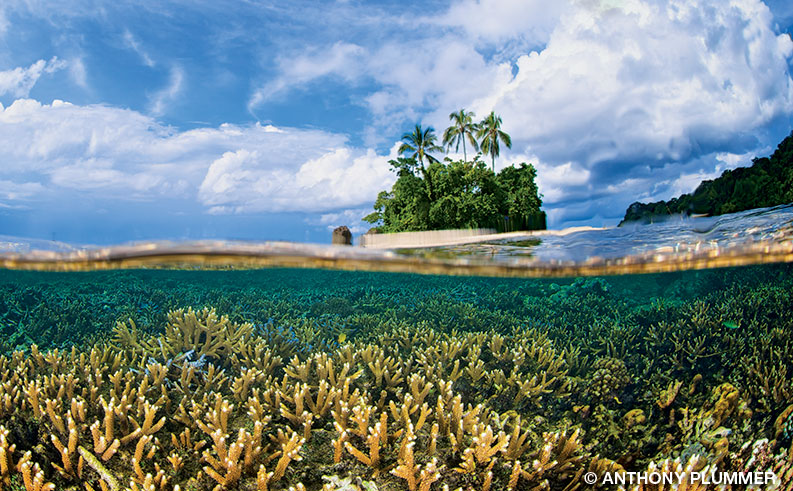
[752, 237]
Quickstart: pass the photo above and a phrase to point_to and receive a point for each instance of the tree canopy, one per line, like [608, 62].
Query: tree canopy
[419, 143]
[768, 182]
[462, 128]
[465, 195]
[490, 133]
[458, 194]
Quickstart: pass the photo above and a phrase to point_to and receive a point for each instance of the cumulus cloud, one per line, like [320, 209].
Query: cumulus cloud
[626, 89]
[656, 81]
[507, 23]
[244, 181]
[19, 81]
[118, 154]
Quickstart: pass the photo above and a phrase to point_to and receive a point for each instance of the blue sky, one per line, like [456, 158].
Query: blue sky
[176, 119]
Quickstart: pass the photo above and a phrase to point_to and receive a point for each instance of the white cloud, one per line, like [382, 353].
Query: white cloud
[15, 194]
[19, 81]
[554, 180]
[132, 43]
[169, 93]
[648, 81]
[115, 154]
[244, 181]
[342, 60]
[78, 73]
[686, 183]
[732, 160]
[440, 75]
[99, 174]
[350, 218]
[505, 21]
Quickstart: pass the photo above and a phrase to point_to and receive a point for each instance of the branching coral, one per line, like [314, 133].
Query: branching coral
[201, 334]
[448, 388]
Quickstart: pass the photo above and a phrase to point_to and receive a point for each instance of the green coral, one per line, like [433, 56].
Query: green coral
[608, 379]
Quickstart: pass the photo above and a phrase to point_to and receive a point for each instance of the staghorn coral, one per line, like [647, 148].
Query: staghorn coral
[107, 411]
[188, 335]
[459, 404]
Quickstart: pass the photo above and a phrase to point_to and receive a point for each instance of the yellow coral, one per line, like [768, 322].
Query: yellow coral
[189, 335]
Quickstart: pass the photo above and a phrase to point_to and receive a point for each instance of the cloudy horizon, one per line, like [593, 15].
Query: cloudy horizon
[189, 120]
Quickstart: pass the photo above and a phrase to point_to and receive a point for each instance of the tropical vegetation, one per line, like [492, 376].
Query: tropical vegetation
[768, 182]
[490, 133]
[431, 194]
[462, 128]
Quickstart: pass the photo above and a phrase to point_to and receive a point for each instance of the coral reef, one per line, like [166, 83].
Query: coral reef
[607, 380]
[471, 384]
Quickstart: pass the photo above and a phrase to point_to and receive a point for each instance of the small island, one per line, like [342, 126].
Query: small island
[768, 182]
[430, 194]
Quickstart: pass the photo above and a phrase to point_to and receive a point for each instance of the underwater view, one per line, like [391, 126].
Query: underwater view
[157, 377]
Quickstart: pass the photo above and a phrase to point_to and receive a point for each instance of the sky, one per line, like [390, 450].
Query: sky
[263, 120]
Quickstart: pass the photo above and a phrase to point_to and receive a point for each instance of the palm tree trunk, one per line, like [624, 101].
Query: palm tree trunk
[465, 157]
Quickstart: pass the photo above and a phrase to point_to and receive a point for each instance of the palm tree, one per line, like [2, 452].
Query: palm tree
[419, 143]
[462, 127]
[490, 133]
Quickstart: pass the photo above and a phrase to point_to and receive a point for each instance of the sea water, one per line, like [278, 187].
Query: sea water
[667, 361]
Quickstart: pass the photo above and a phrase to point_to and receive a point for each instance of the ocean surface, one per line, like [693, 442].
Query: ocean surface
[559, 360]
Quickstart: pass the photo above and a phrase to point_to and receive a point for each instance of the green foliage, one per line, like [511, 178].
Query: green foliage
[462, 128]
[522, 198]
[419, 143]
[459, 194]
[490, 133]
[768, 182]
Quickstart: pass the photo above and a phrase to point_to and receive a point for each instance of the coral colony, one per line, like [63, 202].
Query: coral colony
[264, 380]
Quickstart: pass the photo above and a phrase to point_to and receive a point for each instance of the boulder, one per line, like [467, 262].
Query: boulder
[341, 236]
